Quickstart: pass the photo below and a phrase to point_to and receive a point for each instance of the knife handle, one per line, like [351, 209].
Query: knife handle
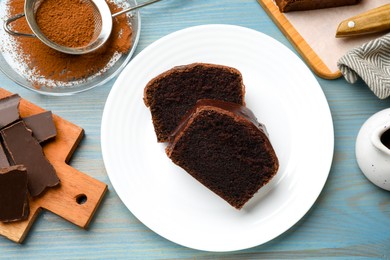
[375, 20]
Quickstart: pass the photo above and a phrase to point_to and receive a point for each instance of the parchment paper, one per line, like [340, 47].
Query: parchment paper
[318, 28]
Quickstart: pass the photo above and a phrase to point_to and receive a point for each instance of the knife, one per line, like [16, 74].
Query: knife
[374, 20]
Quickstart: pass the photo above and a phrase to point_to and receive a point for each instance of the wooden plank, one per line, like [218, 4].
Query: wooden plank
[77, 197]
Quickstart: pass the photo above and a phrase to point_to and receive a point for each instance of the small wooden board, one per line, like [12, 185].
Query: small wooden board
[313, 32]
[299, 43]
[77, 197]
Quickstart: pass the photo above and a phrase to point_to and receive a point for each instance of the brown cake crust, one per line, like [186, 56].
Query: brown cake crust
[173, 93]
[301, 5]
[223, 146]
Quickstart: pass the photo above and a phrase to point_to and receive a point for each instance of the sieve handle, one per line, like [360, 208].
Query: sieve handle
[12, 32]
[134, 7]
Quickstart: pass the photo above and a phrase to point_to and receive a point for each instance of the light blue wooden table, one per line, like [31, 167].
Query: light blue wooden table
[350, 219]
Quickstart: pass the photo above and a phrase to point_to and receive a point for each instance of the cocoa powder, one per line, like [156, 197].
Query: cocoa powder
[68, 23]
[59, 67]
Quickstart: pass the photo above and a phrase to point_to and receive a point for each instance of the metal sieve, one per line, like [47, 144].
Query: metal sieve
[102, 21]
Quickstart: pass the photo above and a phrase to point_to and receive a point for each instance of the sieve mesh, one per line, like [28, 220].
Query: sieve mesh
[97, 18]
[102, 24]
[96, 40]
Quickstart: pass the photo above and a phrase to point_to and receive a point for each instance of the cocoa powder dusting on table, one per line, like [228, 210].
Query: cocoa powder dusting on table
[68, 23]
[51, 64]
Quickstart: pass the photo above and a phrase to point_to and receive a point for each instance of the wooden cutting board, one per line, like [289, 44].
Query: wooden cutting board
[77, 197]
[312, 33]
[299, 43]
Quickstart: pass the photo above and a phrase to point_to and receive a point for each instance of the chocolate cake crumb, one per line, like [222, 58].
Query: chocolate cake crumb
[222, 145]
[171, 94]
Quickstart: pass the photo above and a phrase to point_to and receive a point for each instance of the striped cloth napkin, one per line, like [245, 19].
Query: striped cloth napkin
[371, 62]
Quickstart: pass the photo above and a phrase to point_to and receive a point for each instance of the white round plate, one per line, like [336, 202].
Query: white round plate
[283, 94]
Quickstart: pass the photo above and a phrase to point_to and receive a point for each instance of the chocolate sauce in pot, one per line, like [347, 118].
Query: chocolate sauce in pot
[385, 138]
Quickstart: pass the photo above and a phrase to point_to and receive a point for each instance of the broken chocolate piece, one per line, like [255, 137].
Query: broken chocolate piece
[9, 110]
[3, 158]
[24, 149]
[42, 126]
[13, 194]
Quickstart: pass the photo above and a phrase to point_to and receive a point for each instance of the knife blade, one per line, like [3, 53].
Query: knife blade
[372, 21]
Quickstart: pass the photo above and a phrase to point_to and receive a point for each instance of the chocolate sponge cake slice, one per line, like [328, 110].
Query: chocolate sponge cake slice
[302, 5]
[222, 145]
[171, 94]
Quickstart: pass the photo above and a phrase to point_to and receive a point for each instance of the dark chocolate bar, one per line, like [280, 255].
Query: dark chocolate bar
[9, 110]
[13, 194]
[42, 126]
[3, 158]
[24, 149]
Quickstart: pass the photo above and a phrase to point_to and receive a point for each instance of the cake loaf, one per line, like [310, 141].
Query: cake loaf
[171, 94]
[301, 5]
[222, 145]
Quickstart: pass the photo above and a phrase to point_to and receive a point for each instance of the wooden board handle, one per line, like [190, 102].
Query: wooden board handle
[77, 198]
[66, 201]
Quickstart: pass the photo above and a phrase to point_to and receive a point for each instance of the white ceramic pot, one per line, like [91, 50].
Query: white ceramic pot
[372, 154]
